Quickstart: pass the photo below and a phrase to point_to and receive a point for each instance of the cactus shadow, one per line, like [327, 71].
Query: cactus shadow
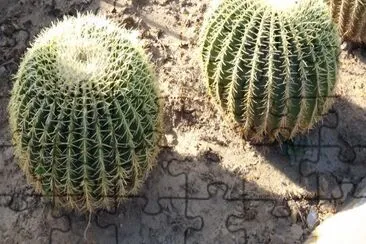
[181, 197]
[331, 156]
[357, 50]
[360, 53]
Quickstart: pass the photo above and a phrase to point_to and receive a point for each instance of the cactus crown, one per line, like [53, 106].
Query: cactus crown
[270, 66]
[84, 113]
[350, 16]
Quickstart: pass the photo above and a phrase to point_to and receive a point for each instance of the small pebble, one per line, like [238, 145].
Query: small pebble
[312, 218]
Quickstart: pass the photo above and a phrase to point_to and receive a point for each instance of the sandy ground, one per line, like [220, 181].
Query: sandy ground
[210, 186]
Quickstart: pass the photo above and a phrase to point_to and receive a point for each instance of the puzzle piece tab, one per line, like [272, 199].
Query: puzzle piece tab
[133, 225]
[224, 226]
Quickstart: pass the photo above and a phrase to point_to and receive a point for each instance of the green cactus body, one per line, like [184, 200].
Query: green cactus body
[85, 114]
[350, 16]
[270, 65]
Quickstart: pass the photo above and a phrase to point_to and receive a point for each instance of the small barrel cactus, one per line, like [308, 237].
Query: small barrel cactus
[270, 65]
[350, 16]
[85, 114]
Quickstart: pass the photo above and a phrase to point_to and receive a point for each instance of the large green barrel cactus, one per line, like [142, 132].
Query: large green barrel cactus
[85, 113]
[270, 65]
[350, 16]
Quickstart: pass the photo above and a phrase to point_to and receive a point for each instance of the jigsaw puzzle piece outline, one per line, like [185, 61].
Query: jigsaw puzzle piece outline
[128, 216]
[213, 190]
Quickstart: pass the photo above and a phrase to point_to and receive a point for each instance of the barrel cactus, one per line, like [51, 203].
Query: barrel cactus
[271, 66]
[84, 113]
[350, 16]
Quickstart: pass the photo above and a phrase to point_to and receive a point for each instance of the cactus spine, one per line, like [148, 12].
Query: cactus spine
[350, 15]
[270, 65]
[85, 114]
